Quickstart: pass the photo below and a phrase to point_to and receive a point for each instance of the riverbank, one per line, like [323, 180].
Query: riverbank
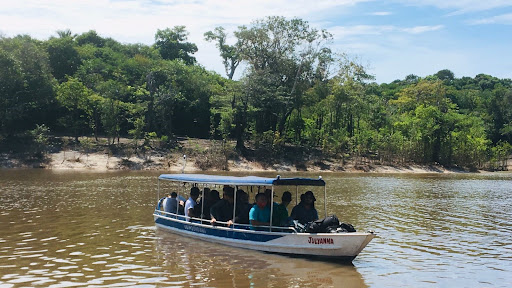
[103, 162]
[99, 161]
[201, 155]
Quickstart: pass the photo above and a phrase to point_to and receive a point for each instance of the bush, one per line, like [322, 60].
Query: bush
[40, 140]
[215, 157]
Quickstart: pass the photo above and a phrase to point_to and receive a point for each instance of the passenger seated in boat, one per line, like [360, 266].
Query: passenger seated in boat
[171, 204]
[191, 203]
[242, 207]
[201, 206]
[280, 215]
[260, 212]
[305, 211]
[214, 197]
[210, 200]
[223, 210]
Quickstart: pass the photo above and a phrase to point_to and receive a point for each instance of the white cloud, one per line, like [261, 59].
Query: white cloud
[136, 21]
[347, 31]
[460, 6]
[500, 19]
[340, 32]
[380, 13]
[422, 29]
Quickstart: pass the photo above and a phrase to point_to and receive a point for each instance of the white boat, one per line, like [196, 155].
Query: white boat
[289, 240]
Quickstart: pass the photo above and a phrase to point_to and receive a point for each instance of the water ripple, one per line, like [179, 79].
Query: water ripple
[96, 230]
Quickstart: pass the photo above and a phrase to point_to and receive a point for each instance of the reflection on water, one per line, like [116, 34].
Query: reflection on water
[96, 229]
[222, 266]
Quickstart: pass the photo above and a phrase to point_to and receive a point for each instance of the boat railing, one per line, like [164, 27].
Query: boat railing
[225, 224]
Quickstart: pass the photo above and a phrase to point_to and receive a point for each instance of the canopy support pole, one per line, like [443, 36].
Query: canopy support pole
[271, 207]
[234, 205]
[325, 200]
[202, 204]
[158, 191]
[296, 195]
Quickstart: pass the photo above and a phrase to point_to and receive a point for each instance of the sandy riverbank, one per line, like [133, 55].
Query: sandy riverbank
[74, 160]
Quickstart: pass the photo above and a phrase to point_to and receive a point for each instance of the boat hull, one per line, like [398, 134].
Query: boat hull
[334, 246]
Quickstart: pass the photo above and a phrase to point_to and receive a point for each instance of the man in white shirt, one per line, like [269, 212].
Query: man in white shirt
[191, 203]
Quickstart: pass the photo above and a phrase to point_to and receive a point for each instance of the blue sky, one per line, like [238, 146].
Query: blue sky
[393, 38]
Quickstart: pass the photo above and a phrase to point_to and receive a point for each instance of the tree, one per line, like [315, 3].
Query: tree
[171, 44]
[230, 53]
[64, 58]
[500, 111]
[179, 99]
[427, 110]
[40, 136]
[26, 85]
[445, 74]
[138, 131]
[73, 95]
[115, 114]
[94, 108]
[282, 55]
[350, 93]
[90, 37]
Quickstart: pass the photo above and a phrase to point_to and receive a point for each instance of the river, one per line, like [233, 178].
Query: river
[69, 228]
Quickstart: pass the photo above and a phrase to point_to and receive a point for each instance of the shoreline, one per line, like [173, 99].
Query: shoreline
[101, 162]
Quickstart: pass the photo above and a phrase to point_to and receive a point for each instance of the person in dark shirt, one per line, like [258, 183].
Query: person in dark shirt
[214, 198]
[305, 211]
[223, 210]
[202, 210]
[242, 207]
[280, 215]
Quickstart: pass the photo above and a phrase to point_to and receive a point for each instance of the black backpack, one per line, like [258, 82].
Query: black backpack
[348, 227]
[322, 225]
[330, 224]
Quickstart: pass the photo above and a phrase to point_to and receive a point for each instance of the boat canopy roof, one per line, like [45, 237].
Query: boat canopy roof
[243, 181]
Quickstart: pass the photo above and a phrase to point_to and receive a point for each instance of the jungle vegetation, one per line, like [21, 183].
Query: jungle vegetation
[294, 92]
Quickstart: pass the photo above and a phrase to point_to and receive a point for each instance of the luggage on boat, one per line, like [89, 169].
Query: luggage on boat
[330, 224]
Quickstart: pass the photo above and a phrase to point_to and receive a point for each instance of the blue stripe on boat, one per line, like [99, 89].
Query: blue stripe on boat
[231, 234]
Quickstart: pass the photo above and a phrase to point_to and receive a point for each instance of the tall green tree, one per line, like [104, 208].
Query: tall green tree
[230, 54]
[281, 56]
[73, 95]
[172, 44]
[64, 58]
[26, 85]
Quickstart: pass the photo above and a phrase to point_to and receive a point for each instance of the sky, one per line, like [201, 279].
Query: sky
[392, 38]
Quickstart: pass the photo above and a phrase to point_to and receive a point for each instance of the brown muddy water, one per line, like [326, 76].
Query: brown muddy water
[75, 229]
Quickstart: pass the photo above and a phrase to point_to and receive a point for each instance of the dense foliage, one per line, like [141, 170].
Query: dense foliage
[295, 91]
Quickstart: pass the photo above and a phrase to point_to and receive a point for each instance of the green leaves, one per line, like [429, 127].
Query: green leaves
[171, 44]
[230, 54]
[295, 90]
[26, 84]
